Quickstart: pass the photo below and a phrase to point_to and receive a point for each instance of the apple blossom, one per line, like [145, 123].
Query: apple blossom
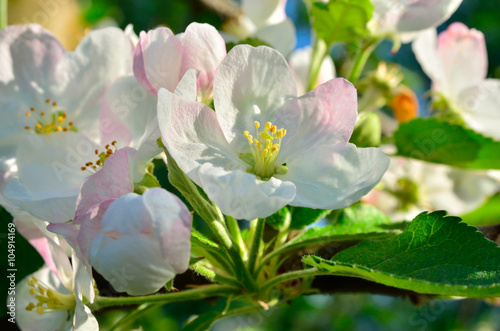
[162, 58]
[412, 186]
[300, 62]
[265, 20]
[404, 20]
[300, 154]
[50, 103]
[457, 64]
[158, 227]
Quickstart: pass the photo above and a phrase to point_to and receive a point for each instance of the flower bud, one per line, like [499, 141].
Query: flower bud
[144, 241]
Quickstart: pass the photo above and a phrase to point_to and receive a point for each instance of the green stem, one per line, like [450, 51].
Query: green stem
[192, 294]
[320, 51]
[257, 238]
[3, 14]
[212, 216]
[235, 232]
[293, 275]
[132, 316]
[361, 58]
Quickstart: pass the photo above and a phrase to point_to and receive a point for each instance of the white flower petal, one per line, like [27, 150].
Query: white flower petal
[331, 180]
[243, 195]
[250, 84]
[483, 103]
[192, 135]
[280, 36]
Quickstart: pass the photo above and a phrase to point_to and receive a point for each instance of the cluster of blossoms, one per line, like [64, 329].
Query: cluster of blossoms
[79, 130]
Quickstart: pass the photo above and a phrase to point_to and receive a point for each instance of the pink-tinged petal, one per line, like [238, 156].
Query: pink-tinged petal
[26, 226]
[127, 109]
[263, 12]
[157, 60]
[482, 107]
[142, 222]
[112, 181]
[84, 74]
[172, 226]
[250, 84]
[203, 48]
[321, 118]
[29, 55]
[192, 135]
[425, 49]
[327, 179]
[46, 242]
[281, 36]
[463, 57]
[242, 195]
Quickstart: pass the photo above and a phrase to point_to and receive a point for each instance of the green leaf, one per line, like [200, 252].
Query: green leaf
[302, 217]
[252, 41]
[434, 255]
[358, 222]
[435, 141]
[279, 219]
[341, 20]
[487, 214]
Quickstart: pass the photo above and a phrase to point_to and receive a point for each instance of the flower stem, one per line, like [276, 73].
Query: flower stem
[235, 232]
[3, 14]
[212, 216]
[360, 60]
[293, 275]
[191, 294]
[320, 51]
[257, 238]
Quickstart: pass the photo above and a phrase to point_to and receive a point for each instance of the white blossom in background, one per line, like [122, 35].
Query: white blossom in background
[410, 187]
[265, 20]
[457, 63]
[404, 20]
[300, 63]
[263, 147]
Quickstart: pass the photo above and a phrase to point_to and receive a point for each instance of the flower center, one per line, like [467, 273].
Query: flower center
[52, 119]
[47, 299]
[265, 151]
[93, 166]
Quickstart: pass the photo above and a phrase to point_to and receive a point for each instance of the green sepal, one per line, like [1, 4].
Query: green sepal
[147, 182]
[367, 131]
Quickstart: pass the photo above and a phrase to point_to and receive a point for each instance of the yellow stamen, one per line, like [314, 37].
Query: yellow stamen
[28, 114]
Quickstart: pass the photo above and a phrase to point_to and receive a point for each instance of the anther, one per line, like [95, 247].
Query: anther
[58, 128]
[60, 118]
[32, 109]
[47, 101]
[27, 127]
[28, 114]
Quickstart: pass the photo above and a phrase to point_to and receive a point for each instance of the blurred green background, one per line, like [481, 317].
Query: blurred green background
[69, 19]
